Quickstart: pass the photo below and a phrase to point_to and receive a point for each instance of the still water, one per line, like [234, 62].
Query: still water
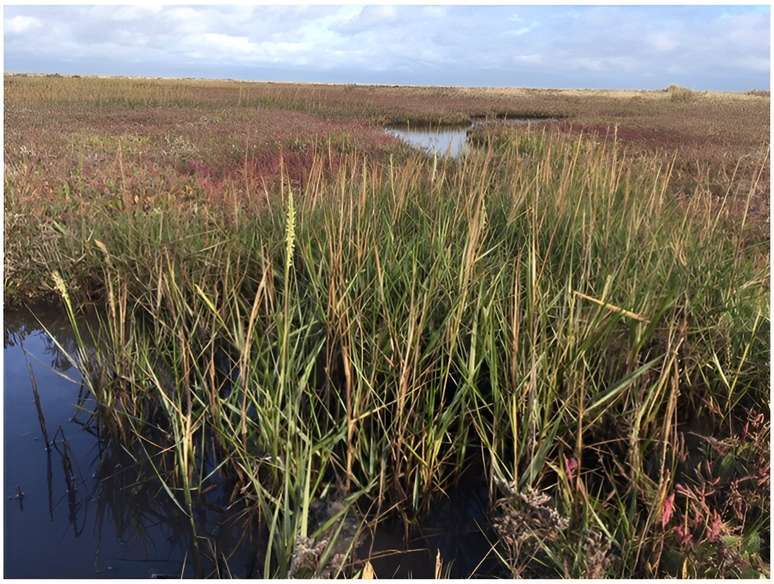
[444, 141]
[84, 508]
[452, 141]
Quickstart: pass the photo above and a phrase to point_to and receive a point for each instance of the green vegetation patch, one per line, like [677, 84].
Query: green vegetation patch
[542, 310]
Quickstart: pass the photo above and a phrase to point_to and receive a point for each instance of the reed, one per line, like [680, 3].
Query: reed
[543, 310]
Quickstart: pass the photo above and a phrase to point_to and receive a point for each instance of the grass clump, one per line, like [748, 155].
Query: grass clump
[557, 320]
[681, 94]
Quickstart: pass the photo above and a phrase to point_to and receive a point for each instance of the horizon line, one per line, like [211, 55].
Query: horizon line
[396, 84]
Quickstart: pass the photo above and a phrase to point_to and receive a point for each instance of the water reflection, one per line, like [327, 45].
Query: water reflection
[440, 141]
[21, 324]
[79, 504]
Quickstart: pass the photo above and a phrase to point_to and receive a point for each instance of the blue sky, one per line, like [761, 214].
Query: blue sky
[648, 47]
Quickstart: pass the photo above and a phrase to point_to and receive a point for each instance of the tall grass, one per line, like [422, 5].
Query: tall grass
[541, 309]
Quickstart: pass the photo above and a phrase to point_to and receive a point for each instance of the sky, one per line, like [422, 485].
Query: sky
[623, 47]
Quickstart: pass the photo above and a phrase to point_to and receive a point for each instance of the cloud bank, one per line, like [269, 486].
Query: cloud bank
[709, 47]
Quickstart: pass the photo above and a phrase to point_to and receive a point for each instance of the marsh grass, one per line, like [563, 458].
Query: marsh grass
[542, 307]
[681, 94]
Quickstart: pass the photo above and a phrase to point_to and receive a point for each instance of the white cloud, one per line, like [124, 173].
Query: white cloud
[520, 31]
[130, 13]
[227, 44]
[533, 59]
[22, 24]
[663, 42]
